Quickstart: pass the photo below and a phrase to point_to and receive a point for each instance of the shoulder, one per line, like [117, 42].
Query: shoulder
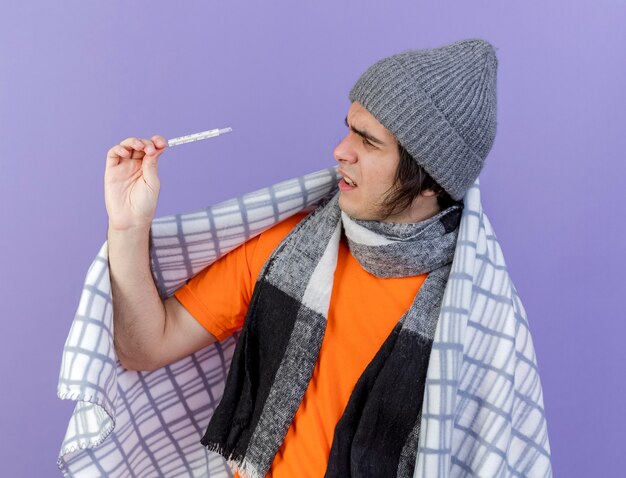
[280, 230]
[263, 245]
[274, 235]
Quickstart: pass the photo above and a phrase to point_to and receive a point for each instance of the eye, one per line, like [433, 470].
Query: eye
[366, 142]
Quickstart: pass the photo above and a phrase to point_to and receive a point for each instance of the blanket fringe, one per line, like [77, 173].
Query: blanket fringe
[241, 465]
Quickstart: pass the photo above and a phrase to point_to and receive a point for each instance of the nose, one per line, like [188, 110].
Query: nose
[344, 152]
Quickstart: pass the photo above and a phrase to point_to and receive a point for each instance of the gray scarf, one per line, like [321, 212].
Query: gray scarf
[282, 334]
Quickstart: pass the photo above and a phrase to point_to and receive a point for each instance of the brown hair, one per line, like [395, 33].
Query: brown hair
[411, 179]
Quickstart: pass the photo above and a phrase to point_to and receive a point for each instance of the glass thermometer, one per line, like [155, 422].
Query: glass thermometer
[198, 136]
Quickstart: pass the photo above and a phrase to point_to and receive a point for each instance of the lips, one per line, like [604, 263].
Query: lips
[344, 186]
[349, 181]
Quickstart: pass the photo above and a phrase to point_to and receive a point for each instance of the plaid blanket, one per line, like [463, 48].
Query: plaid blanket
[482, 409]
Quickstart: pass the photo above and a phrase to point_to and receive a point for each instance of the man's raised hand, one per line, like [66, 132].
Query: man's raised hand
[131, 182]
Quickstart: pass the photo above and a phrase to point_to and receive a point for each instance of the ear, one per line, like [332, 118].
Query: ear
[428, 193]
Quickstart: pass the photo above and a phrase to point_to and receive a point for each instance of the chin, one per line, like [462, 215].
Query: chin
[355, 211]
[346, 207]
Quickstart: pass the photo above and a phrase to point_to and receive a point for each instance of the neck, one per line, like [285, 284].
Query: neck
[421, 209]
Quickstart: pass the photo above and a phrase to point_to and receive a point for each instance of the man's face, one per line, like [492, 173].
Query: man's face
[368, 158]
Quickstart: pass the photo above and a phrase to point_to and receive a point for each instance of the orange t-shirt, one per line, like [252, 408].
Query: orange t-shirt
[362, 313]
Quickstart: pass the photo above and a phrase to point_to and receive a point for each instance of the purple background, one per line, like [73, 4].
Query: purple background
[76, 79]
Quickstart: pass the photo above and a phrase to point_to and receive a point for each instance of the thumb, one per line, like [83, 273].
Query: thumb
[150, 171]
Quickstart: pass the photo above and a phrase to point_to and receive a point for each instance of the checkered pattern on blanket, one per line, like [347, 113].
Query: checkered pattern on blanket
[483, 404]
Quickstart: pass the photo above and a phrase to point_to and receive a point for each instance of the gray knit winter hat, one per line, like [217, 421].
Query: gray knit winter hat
[440, 104]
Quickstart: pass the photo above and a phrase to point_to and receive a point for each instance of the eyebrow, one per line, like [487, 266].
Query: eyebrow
[364, 134]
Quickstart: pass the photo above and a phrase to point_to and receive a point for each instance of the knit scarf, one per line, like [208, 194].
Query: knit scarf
[276, 353]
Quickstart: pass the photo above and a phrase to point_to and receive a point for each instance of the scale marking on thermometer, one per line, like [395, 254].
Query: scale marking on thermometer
[198, 136]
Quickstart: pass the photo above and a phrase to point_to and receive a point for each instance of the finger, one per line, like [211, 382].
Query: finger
[115, 155]
[136, 143]
[133, 143]
[117, 150]
[159, 141]
[141, 146]
[149, 166]
[135, 146]
[149, 147]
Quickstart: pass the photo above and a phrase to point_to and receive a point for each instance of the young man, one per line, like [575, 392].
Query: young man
[337, 309]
